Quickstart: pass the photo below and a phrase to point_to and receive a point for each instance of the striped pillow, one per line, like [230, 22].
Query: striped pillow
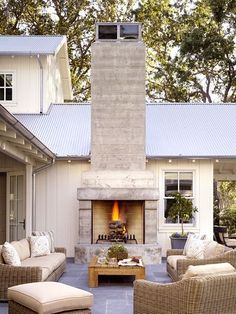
[50, 237]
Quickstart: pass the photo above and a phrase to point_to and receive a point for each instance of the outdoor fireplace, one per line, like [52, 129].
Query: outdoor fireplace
[118, 221]
[117, 176]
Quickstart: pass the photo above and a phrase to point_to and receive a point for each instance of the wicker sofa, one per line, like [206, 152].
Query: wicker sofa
[215, 294]
[43, 268]
[181, 263]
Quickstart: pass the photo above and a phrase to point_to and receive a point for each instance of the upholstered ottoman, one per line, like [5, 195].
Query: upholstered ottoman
[48, 297]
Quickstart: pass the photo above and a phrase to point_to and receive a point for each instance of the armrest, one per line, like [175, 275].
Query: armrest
[60, 250]
[152, 297]
[174, 252]
[182, 264]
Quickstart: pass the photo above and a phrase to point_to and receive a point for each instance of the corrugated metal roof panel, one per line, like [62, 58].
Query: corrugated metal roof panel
[65, 129]
[198, 130]
[172, 130]
[29, 44]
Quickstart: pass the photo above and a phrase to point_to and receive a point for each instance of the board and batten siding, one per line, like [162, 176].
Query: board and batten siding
[57, 207]
[27, 83]
[203, 197]
[53, 81]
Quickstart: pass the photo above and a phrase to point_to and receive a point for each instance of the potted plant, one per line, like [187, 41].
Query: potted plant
[117, 251]
[183, 209]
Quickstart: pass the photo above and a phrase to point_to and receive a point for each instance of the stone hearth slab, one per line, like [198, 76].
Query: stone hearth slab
[151, 253]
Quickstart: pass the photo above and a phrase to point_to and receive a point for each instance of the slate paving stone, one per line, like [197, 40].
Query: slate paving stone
[114, 294]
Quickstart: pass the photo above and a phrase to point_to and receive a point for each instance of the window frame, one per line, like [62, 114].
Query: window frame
[178, 172]
[172, 227]
[12, 73]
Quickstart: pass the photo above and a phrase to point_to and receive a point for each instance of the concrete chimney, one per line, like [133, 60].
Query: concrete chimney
[118, 98]
[118, 159]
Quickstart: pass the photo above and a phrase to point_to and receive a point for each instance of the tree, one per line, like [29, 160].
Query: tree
[191, 49]
[73, 18]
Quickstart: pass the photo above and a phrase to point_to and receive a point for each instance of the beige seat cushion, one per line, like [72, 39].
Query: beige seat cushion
[50, 297]
[172, 260]
[230, 242]
[48, 263]
[22, 247]
[208, 269]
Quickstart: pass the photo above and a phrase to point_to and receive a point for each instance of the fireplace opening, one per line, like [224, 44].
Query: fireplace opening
[118, 221]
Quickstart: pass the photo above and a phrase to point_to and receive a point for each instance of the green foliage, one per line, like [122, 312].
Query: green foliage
[226, 209]
[117, 251]
[190, 44]
[181, 208]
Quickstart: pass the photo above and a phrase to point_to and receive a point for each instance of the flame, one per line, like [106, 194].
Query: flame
[115, 211]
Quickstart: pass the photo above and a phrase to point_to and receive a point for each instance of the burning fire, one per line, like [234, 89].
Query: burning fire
[115, 211]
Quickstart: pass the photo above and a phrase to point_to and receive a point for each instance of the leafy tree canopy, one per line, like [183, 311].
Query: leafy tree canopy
[190, 43]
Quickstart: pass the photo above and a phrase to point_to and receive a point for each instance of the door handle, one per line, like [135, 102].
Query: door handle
[22, 222]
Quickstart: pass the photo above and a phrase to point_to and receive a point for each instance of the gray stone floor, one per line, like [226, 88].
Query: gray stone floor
[114, 294]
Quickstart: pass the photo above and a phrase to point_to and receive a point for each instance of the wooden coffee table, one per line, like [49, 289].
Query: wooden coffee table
[95, 269]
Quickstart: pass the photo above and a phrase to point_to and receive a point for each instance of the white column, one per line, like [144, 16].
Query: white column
[28, 200]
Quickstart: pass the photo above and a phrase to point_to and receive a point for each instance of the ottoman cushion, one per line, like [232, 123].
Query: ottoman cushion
[50, 297]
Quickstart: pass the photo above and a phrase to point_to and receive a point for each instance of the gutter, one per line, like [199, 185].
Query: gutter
[41, 83]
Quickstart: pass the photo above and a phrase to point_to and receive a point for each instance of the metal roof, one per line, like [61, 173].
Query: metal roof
[65, 129]
[30, 45]
[172, 130]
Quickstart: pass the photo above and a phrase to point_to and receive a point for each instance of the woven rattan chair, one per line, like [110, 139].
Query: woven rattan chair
[229, 256]
[222, 236]
[197, 295]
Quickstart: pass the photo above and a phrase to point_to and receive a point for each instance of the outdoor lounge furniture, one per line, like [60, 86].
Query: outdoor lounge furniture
[222, 236]
[48, 297]
[214, 294]
[32, 269]
[177, 263]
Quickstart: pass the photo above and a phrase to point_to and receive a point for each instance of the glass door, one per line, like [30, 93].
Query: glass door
[16, 207]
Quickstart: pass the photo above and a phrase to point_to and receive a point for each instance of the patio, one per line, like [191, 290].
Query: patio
[114, 295]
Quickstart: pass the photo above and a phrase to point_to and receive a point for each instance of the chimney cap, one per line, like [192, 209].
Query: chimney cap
[118, 31]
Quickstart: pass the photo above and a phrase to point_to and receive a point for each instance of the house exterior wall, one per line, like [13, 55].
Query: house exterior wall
[27, 83]
[202, 193]
[57, 207]
[53, 82]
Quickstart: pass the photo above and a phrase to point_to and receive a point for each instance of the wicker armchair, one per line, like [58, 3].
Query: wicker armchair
[182, 264]
[197, 295]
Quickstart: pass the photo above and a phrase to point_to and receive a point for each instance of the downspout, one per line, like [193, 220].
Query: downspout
[41, 83]
[34, 192]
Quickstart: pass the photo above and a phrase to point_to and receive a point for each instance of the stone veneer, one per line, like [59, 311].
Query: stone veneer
[151, 253]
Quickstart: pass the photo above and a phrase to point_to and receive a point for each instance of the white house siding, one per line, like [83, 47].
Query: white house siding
[56, 201]
[53, 83]
[26, 89]
[203, 196]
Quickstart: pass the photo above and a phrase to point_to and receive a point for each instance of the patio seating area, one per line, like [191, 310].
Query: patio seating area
[114, 294]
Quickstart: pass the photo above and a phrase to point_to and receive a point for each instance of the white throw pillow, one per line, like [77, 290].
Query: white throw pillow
[191, 237]
[49, 235]
[10, 255]
[212, 249]
[208, 269]
[195, 249]
[39, 246]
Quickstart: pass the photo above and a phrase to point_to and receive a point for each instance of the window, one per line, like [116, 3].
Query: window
[118, 31]
[6, 86]
[177, 181]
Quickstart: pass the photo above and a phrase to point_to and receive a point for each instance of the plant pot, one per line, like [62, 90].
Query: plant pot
[178, 243]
